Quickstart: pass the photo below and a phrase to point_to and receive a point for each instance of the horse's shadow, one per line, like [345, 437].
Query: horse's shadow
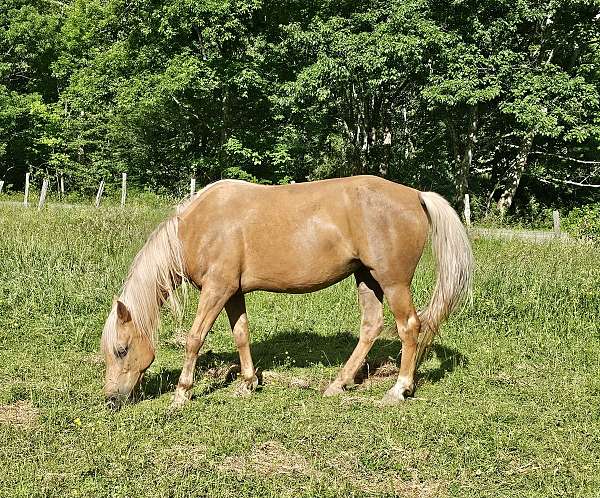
[301, 349]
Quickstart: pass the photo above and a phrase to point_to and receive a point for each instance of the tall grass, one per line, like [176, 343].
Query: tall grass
[508, 404]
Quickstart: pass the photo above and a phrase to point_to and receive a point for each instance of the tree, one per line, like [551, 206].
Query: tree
[495, 98]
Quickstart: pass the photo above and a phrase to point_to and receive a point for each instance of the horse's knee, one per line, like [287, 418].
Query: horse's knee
[370, 332]
[241, 339]
[193, 344]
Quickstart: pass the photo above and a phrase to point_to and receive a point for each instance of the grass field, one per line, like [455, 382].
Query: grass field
[508, 404]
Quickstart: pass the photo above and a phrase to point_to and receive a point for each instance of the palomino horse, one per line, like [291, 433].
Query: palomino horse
[235, 237]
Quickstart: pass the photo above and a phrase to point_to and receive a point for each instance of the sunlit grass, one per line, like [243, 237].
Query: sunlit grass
[509, 406]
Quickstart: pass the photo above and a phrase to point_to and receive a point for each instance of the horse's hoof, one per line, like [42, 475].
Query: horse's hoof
[179, 400]
[333, 390]
[176, 405]
[397, 394]
[392, 399]
[242, 391]
[252, 383]
[246, 387]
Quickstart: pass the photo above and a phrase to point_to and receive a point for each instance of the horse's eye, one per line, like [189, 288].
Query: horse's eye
[121, 351]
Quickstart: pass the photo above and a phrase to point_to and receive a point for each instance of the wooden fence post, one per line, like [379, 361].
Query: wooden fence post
[62, 186]
[467, 211]
[192, 187]
[556, 223]
[99, 194]
[1, 185]
[25, 200]
[43, 194]
[123, 189]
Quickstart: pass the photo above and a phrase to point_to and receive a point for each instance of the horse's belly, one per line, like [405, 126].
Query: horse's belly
[305, 276]
[293, 265]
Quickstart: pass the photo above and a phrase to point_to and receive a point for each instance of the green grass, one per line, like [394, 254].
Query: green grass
[509, 404]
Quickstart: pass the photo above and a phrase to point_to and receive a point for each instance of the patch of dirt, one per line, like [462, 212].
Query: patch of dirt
[270, 377]
[375, 371]
[346, 466]
[226, 373]
[269, 458]
[20, 414]
[417, 489]
[273, 458]
[385, 484]
[385, 370]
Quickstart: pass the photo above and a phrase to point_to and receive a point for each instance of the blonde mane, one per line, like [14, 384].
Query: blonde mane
[156, 272]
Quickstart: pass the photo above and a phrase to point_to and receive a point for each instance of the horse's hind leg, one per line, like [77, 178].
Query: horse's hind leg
[370, 297]
[211, 303]
[408, 325]
[236, 312]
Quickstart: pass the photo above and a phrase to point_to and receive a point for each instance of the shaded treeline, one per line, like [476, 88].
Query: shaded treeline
[498, 98]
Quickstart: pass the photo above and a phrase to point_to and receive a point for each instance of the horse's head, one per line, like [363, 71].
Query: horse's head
[127, 353]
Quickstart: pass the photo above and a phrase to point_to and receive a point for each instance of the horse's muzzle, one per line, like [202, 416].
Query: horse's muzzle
[114, 402]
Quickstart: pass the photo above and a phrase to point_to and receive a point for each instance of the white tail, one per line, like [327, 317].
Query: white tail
[454, 261]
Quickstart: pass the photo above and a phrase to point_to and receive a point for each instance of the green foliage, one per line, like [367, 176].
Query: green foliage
[453, 96]
[584, 222]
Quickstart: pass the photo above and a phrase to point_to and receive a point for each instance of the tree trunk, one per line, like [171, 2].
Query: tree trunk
[405, 132]
[225, 124]
[515, 173]
[226, 109]
[454, 141]
[384, 167]
[464, 166]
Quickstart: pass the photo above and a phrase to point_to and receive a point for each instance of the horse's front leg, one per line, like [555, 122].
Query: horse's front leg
[236, 312]
[212, 300]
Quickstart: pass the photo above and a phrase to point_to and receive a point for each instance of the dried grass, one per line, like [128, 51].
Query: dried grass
[346, 466]
[270, 377]
[20, 414]
[269, 458]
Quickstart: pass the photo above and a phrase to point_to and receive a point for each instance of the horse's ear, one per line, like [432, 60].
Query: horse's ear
[123, 313]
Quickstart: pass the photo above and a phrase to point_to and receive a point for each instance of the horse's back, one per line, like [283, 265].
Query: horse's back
[235, 198]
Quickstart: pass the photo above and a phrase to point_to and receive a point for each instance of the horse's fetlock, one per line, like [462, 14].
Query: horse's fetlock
[335, 388]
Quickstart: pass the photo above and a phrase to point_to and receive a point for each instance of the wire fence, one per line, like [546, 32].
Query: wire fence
[31, 199]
